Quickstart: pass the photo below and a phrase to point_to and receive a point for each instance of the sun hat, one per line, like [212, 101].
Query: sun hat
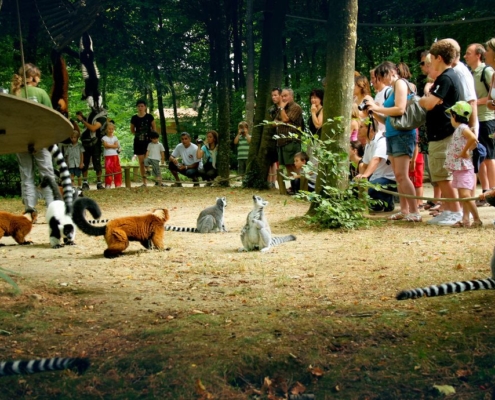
[461, 108]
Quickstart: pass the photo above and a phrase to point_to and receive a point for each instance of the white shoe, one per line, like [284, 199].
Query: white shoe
[438, 218]
[451, 219]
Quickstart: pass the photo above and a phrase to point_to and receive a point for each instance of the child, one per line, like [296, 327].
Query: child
[154, 155]
[459, 161]
[242, 141]
[111, 147]
[300, 160]
[74, 156]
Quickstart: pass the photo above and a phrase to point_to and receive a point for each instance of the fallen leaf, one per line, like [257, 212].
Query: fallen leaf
[445, 389]
[316, 371]
[298, 388]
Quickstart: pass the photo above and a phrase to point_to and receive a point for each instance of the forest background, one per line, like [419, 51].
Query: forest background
[205, 55]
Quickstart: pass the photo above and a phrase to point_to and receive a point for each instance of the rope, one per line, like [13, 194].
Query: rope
[22, 49]
[434, 199]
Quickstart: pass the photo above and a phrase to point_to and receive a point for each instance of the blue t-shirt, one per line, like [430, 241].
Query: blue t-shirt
[389, 130]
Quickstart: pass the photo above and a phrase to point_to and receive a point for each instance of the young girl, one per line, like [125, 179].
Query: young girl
[209, 152]
[354, 122]
[459, 161]
[112, 164]
[356, 152]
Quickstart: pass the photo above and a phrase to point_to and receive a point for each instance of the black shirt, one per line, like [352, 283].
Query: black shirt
[445, 87]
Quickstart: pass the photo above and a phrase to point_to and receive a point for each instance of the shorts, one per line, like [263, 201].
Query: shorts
[402, 144]
[416, 176]
[75, 171]
[287, 152]
[437, 152]
[487, 128]
[155, 164]
[140, 147]
[241, 167]
[463, 179]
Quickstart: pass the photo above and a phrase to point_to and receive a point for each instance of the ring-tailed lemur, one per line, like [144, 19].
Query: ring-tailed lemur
[8, 368]
[256, 234]
[211, 219]
[451, 287]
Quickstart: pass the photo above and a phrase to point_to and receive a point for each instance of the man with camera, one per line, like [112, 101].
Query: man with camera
[288, 143]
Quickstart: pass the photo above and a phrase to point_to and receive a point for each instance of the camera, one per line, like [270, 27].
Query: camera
[363, 106]
[199, 141]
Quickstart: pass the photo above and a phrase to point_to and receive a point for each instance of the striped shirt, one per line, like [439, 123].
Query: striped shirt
[242, 148]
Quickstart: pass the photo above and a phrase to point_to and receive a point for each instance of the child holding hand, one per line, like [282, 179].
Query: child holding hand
[460, 162]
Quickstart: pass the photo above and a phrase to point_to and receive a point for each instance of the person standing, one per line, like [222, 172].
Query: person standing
[154, 155]
[242, 140]
[141, 125]
[113, 171]
[91, 141]
[482, 74]
[208, 152]
[41, 157]
[272, 154]
[401, 145]
[443, 94]
[74, 158]
[288, 143]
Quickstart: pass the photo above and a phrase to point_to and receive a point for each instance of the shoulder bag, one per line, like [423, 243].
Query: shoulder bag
[414, 115]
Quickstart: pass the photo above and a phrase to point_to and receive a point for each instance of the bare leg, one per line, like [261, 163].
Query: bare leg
[142, 169]
[449, 192]
[404, 185]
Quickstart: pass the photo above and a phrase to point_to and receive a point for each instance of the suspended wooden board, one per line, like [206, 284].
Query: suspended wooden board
[25, 123]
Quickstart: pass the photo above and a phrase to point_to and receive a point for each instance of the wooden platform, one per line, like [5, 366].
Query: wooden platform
[25, 124]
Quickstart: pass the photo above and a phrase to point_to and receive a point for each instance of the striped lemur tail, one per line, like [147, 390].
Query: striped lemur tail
[179, 229]
[82, 204]
[18, 367]
[64, 178]
[281, 239]
[451, 287]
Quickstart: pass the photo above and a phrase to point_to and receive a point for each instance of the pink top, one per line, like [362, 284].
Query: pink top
[354, 135]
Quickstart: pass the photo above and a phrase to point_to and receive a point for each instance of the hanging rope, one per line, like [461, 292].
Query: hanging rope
[434, 199]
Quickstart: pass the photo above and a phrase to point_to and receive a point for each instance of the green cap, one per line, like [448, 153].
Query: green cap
[461, 108]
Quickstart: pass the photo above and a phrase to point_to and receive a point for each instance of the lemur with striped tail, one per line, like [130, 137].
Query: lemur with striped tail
[211, 219]
[256, 234]
[451, 287]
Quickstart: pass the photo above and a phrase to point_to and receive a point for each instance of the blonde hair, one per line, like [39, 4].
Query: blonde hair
[491, 44]
[31, 71]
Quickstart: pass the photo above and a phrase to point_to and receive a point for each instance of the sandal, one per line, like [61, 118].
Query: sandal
[436, 207]
[435, 213]
[461, 224]
[413, 217]
[429, 204]
[476, 224]
[397, 216]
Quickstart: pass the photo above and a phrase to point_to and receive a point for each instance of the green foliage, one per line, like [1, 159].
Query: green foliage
[4, 275]
[332, 207]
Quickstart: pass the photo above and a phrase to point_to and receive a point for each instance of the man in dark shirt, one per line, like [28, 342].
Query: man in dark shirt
[287, 146]
[443, 94]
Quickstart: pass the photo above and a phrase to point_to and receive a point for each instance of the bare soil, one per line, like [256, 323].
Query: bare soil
[202, 320]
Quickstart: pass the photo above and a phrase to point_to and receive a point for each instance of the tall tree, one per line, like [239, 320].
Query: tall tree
[270, 75]
[250, 64]
[341, 46]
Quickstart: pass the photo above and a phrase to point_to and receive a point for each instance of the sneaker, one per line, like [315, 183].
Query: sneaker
[451, 219]
[438, 218]
[99, 186]
[85, 186]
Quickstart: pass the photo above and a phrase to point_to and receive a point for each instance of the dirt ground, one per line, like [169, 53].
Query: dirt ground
[323, 274]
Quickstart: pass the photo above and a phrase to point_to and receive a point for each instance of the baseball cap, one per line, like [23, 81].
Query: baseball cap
[461, 108]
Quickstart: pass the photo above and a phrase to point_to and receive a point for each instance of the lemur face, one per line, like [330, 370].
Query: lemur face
[259, 202]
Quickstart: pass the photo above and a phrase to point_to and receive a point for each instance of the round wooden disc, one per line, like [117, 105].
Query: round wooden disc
[25, 123]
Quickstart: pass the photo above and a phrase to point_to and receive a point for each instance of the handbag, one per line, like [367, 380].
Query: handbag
[414, 115]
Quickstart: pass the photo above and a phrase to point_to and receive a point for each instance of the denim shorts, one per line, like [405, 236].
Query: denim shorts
[402, 144]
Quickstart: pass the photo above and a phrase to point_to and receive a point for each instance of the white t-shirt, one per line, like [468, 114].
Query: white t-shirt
[378, 148]
[467, 89]
[110, 140]
[155, 151]
[188, 156]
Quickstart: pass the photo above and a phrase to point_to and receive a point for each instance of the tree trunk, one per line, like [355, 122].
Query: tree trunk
[270, 75]
[163, 122]
[341, 45]
[174, 100]
[250, 65]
